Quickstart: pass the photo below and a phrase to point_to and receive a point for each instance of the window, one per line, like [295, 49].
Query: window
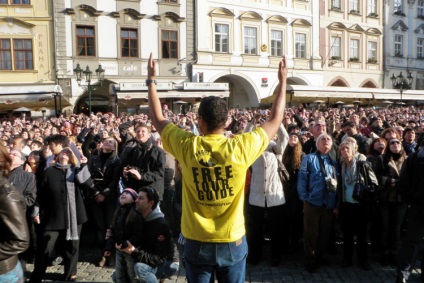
[420, 48]
[276, 43]
[15, 2]
[129, 43]
[398, 45]
[21, 52]
[250, 40]
[335, 47]
[300, 45]
[372, 51]
[86, 42]
[5, 55]
[372, 7]
[397, 6]
[169, 44]
[221, 37]
[420, 8]
[335, 4]
[354, 5]
[354, 49]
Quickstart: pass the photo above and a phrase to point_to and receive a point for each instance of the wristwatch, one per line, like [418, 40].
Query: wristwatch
[148, 82]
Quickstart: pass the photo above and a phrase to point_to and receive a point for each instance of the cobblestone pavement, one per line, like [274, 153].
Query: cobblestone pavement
[291, 269]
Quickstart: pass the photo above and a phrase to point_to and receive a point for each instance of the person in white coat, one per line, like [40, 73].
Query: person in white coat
[266, 197]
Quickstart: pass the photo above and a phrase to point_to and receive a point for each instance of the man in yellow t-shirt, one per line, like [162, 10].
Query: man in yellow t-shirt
[214, 170]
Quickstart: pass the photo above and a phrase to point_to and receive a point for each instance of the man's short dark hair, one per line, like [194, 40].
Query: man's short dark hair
[213, 111]
[292, 127]
[151, 194]
[58, 139]
[349, 124]
[407, 130]
[40, 144]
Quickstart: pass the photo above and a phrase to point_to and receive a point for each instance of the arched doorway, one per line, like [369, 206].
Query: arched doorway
[242, 93]
[99, 103]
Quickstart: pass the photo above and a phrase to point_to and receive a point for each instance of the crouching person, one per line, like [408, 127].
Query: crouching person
[153, 255]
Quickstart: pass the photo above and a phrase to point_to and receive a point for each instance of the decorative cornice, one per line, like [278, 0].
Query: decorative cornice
[171, 15]
[13, 21]
[251, 16]
[277, 19]
[90, 10]
[400, 25]
[420, 29]
[336, 26]
[221, 12]
[133, 13]
[373, 31]
[301, 22]
[356, 28]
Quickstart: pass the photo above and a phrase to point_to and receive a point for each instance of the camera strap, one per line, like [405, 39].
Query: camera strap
[321, 164]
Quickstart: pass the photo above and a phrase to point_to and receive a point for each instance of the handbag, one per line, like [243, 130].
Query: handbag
[282, 170]
[366, 184]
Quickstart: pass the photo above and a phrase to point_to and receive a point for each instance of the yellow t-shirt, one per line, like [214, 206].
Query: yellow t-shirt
[214, 172]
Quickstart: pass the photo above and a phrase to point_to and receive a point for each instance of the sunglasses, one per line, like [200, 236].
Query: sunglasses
[395, 142]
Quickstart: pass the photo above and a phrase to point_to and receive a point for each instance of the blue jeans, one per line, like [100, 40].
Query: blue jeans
[16, 275]
[124, 268]
[226, 260]
[145, 273]
[168, 269]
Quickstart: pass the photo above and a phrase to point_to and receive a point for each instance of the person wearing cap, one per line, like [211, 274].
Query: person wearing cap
[214, 173]
[126, 226]
[154, 252]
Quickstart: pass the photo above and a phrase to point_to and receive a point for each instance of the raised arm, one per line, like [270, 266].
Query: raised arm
[278, 107]
[155, 108]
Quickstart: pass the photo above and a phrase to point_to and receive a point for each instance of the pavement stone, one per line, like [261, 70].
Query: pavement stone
[291, 269]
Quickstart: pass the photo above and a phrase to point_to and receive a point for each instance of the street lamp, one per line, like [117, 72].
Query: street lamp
[401, 83]
[100, 72]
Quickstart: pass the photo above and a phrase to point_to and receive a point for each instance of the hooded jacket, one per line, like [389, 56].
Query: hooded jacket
[156, 242]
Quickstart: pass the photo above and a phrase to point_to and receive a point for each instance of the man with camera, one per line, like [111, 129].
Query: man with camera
[317, 187]
[144, 164]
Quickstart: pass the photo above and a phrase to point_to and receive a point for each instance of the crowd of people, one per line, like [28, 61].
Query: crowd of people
[136, 181]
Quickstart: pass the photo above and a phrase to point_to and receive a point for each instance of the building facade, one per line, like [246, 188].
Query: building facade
[404, 43]
[27, 75]
[242, 42]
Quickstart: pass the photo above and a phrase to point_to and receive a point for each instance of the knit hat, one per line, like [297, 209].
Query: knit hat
[131, 192]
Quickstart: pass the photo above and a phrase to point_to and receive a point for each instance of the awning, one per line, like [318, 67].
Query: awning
[172, 94]
[30, 96]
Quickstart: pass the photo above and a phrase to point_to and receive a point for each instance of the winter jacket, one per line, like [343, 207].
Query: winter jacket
[411, 179]
[265, 185]
[24, 182]
[14, 235]
[156, 242]
[386, 170]
[311, 184]
[105, 177]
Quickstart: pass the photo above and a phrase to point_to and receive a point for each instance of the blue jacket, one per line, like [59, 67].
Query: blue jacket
[311, 184]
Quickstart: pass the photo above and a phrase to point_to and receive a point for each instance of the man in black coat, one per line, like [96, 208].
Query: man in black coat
[144, 164]
[156, 251]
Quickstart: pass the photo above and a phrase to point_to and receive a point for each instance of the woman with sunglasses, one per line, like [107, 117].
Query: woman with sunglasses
[391, 206]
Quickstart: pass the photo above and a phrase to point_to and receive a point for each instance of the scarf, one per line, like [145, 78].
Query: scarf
[349, 174]
[72, 229]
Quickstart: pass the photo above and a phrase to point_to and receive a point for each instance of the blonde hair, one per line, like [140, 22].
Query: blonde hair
[352, 141]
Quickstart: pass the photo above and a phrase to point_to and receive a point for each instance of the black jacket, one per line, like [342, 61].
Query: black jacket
[52, 199]
[156, 242]
[411, 179]
[14, 234]
[149, 160]
[24, 182]
[105, 177]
